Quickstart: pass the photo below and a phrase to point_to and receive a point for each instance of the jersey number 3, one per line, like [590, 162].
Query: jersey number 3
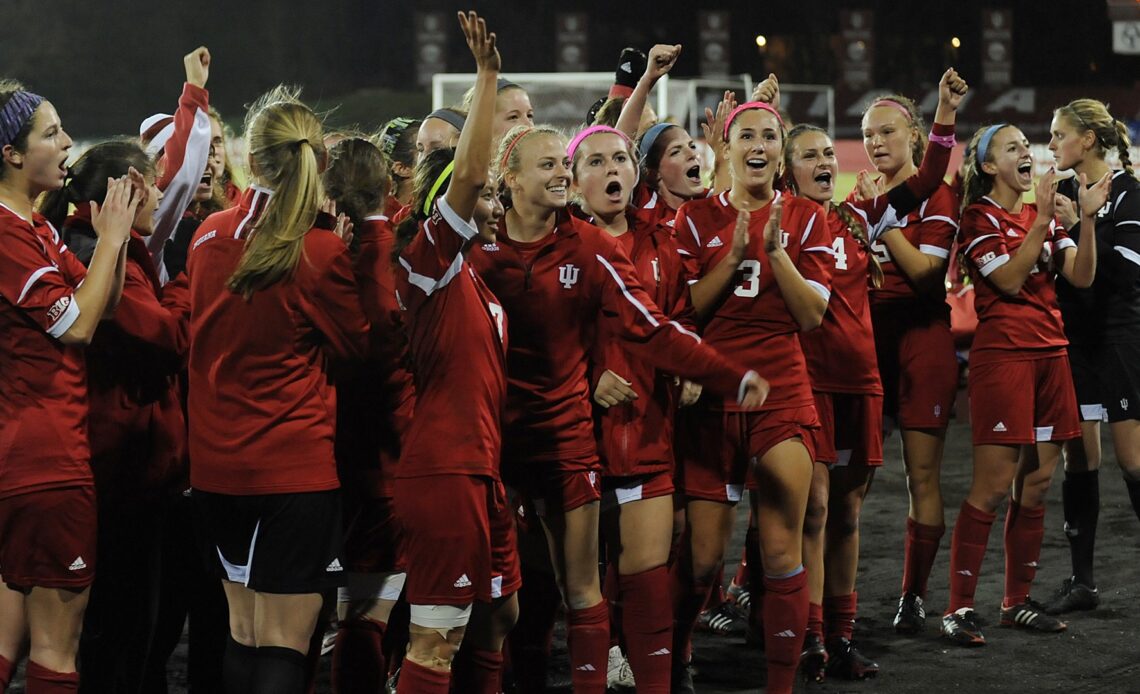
[749, 287]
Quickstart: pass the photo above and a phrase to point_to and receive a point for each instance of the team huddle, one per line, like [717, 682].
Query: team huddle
[435, 375]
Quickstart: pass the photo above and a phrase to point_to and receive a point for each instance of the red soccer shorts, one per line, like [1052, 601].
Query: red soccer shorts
[1023, 401]
[372, 539]
[917, 363]
[554, 487]
[717, 449]
[47, 539]
[850, 429]
[623, 490]
[459, 539]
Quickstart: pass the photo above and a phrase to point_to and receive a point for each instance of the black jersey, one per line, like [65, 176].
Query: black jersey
[1109, 311]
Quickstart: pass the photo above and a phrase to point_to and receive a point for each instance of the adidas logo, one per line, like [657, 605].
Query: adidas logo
[1031, 564]
[965, 572]
[462, 582]
[787, 634]
[1010, 232]
[334, 566]
[586, 668]
[490, 247]
[77, 565]
[715, 243]
[626, 67]
[1000, 426]
[660, 651]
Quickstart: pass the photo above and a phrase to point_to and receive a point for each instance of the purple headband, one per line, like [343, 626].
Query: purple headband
[16, 113]
[592, 130]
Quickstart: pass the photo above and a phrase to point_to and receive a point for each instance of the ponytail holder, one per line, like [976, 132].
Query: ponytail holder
[984, 142]
[511, 146]
[592, 130]
[750, 106]
[891, 103]
[434, 190]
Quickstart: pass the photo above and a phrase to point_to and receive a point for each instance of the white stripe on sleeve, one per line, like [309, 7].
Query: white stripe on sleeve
[994, 264]
[32, 281]
[819, 289]
[1128, 253]
[978, 240]
[936, 251]
[70, 315]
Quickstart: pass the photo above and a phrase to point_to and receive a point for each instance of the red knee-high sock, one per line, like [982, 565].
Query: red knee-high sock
[755, 576]
[839, 615]
[588, 640]
[785, 622]
[611, 591]
[476, 671]
[967, 549]
[40, 680]
[648, 628]
[1024, 531]
[358, 664]
[530, 641]
[417, 679]
[7, 667]
[815, 619]
[918, 555]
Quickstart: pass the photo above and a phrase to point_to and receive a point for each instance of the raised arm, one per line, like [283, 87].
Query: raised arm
[473, 153]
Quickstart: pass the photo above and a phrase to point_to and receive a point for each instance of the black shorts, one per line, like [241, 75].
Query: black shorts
[273, 543]
[1086, 381]
[1119, 367]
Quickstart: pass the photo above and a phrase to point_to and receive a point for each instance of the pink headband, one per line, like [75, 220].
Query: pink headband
[511, 146]
[749, 106]
[893, 104]
[592, 130]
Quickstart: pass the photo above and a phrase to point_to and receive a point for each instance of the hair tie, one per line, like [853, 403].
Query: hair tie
[16, 114]
[891, 103]
[650, 137]
[434, 190]
[984, 142]
[511, 146]
[749, 106]
[592, 130]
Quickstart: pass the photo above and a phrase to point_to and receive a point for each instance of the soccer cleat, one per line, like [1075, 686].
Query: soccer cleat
[739, 595]
[1030, 615]
[328, 641]
[911, 617]
[844, 661]
[1072, 597]
[393, 682]
[961, 627]
[618, 673]
[725, 619]
[813, 659]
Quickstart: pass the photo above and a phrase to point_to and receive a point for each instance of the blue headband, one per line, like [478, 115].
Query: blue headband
[984, 143]
[504, 83]
[650, 138]
[448, 116]
[16, 113]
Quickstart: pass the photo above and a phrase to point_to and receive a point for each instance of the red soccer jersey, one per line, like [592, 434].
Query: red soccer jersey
[556, 291]
[637, 437]
[457, 340]
[262, 411]
[43, 386]
[1032, 319]
[651, 208]
[753, 322]
[930, 229]
[841, 352]
[136, 424]
[375, 398]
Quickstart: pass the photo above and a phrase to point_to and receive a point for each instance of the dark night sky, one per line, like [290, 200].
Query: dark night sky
[107, 64]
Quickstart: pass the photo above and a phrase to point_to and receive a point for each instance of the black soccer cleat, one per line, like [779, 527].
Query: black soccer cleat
[911, 617]
[1072, 597]
[813, 659]
[1031, 615]
[845, 661]
[725, 619]
[961, 628]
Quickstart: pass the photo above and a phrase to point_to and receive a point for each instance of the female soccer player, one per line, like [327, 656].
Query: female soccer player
[459, 540]
[397, 140]
[1022, 403]
[374, 407]
[51, 309]
[440, 129]
[271, 299]
[762, 263]
[559, 279]
[512, 107]
[637, 405]
[1102, 324]
[845, 380]
[912, 337]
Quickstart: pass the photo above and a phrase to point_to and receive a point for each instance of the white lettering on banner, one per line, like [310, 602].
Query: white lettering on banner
[1126, 38]
[1021, 99]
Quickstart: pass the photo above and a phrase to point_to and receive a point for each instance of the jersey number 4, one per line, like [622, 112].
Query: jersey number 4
[839, 252]
[749, 287]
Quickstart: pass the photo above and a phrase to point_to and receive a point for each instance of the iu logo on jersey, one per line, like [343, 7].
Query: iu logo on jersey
[568, 275]
[656, 270]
